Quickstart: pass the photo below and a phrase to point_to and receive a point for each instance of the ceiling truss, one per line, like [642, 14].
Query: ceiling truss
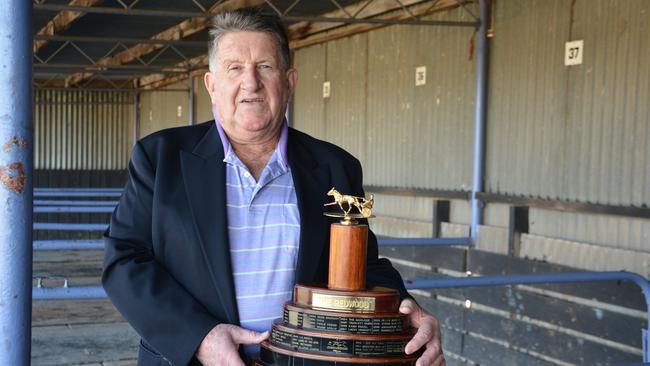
[126, 57]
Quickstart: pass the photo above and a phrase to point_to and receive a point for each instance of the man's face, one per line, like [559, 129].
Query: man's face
[249, 88]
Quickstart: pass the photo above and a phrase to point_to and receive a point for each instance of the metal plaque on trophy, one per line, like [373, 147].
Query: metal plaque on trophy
[343, 323]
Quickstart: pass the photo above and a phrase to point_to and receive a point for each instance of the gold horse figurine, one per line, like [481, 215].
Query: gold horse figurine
[363, 205]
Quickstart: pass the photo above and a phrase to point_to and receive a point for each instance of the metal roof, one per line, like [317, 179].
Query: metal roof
[151, 43]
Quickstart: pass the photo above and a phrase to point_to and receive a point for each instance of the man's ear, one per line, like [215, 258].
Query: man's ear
[208, 81]
[292, 78]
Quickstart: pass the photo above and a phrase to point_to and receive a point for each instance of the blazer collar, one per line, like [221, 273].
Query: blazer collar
[209, 146]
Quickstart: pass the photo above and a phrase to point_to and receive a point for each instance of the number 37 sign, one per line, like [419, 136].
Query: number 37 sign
[573, 53]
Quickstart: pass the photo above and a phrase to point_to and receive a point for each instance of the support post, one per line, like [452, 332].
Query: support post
[191, 100]
[517, 225]
[441, 210]
[480, 119]
[136, 116]
[16, 168]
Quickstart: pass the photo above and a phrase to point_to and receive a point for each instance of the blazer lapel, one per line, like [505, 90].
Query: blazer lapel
[311, 182]
[204, 177]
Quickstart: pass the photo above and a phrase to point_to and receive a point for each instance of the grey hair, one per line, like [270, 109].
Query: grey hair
[248, 20]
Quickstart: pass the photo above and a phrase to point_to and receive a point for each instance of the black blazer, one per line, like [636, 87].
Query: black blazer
[167, 264]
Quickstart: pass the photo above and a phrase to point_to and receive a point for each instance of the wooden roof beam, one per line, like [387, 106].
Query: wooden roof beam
[184, 29]
[62, 21]
[325, 32]
[359, 9]
[385, 9]
[154, 81]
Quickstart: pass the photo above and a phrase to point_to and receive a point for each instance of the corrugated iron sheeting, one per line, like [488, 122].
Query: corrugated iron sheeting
[309, 105]
[572, 133]
[572, 253]
[345, 110]
[406, 136]
[164, 109]
[82, 130]
[420, 136]
[611, 231]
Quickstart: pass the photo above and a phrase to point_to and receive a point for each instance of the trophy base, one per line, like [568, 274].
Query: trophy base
[330, 327]
[275, 356]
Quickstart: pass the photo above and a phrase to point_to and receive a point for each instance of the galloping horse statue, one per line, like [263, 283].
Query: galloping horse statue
[363, 205]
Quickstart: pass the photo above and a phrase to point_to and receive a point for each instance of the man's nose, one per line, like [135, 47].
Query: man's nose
[251, 80]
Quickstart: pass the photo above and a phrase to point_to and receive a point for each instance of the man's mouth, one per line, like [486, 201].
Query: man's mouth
[252, 100]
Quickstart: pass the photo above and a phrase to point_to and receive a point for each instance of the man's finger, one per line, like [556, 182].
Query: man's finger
[421, 337]
[407, 306]
[431, 355]
[246, 336]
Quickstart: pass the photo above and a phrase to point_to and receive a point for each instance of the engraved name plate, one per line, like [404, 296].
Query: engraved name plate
[348, 303]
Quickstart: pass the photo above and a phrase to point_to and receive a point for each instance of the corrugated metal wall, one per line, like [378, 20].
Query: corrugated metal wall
[202, 103]
[82, 130]
[572, 133]
[579, 133]
[400, 132]
[164, 109]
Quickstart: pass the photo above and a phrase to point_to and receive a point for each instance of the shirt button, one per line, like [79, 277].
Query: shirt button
[247, 175]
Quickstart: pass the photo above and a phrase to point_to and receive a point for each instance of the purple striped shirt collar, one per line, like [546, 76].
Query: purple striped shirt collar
[282, 142]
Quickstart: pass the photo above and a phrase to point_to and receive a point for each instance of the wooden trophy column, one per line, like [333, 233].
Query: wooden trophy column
[343, 323]
[348, 248]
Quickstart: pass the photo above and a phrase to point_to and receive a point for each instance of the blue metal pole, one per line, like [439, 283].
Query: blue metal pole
[78, 194]
[566, 277]
[69, 293]
[74, 209]
[68, 227]
[395, 242]
[68, 245]
[480, 119]
[74, 203]
[16, 160]
[75, 189]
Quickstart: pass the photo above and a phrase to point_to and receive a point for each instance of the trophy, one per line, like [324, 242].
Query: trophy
[343, 323]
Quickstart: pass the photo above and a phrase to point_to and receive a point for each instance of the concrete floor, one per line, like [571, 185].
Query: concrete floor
[86, 332]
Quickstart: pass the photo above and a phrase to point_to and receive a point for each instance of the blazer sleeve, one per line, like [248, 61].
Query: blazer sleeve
[165, 315]
[380, 271]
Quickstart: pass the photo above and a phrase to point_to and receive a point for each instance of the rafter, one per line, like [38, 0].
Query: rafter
[62, 21]
[326, 34]
[362, 10]
[197, 64]
[184, 29]
[384, 9]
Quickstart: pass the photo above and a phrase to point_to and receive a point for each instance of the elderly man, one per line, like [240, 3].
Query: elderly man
[218, 221]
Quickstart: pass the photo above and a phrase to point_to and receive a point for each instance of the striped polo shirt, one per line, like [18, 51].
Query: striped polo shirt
[264, 232]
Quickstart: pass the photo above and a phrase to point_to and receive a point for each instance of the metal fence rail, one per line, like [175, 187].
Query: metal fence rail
[76, 194]
[68, 245]
[69, 227]
[74, 203]
[440, 242]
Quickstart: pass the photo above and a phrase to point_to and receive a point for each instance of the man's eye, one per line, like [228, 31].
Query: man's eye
[234, 68]
[265, 67]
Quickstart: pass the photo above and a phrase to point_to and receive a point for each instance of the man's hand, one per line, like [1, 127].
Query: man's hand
[428, 334]
[219, 347]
